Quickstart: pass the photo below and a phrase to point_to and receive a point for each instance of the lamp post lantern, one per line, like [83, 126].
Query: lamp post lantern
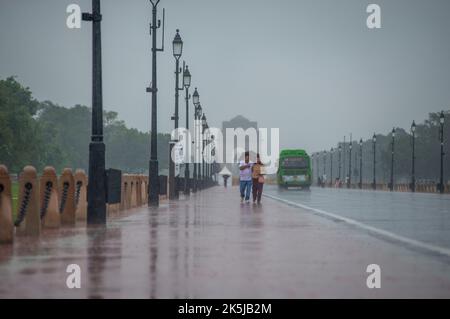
[413, 167]
[153, 185]
[391, 184]
[441, 135]
[374, 142]
[96, 210]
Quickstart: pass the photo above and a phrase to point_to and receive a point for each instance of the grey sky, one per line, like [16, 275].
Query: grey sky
[311, 68]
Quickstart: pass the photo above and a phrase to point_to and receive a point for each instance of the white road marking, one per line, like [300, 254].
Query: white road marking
[384, 233]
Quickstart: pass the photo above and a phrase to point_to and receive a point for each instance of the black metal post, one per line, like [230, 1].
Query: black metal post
[344, 173]
[374, 185]
[350, 165]
[318, 166]
[96, 210]
[391, 185]
[195, 180]
[360, 164]
[441, 135]
[413, 167]
[174, 191]
[187, 174]
[203, 163]
[153, 185]
[331, 167]
[339, 173]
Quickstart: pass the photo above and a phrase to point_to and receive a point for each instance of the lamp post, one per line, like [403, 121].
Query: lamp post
[177, 47]
[187, 84]
[96, 210]
[197, 114]
[391, 184]
[343, 160]
[360, 163]
[349, 184]
[324, 167]
[203, 150]
[441, 135]
[316, 166]
[153, 185]
[374, 142]
[413, 167]
[331, 167]
[207, 154]
[339, 173]
[212, 160]
[177, 50]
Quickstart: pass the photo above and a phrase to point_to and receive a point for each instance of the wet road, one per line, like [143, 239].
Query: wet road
[211, 246]
[419, 216]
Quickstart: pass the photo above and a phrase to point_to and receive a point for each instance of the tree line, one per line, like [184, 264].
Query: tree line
[43, 133]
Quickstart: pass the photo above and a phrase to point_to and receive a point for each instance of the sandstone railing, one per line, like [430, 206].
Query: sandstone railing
[50, 201]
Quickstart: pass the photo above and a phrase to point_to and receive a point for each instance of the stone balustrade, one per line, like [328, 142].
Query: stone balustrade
[50, 201]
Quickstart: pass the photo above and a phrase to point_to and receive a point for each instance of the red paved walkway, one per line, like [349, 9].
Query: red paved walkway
[211, 246]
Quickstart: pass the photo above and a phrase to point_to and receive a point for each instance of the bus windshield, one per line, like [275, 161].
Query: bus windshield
[295, 162]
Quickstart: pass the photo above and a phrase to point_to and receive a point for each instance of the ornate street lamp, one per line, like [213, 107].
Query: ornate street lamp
[177, 48]
[441, 130]
[391, 184]
[339, 173]
[374, 142]
[360, 163]
[197, 116]
[204, 127]
[96, 210]
[153, 179]
[413, 168]
[350, 146]
[187, 84]
[331, 167]
[324, 168]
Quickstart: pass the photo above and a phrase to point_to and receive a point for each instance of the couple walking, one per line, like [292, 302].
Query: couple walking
[251, 178]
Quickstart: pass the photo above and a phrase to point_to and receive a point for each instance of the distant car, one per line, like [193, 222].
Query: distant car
[294, 169]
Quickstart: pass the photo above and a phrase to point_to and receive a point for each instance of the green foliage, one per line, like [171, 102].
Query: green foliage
[43, 133]
[19, 131]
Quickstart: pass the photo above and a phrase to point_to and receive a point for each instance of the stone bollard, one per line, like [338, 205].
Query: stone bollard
[122, 193]
[67, 197]
[6, 223]
[80, 180]
[142, 190]
[126, 191]
[28, 221]
[145, 190]
[49, 211]
[129, 191]
[133, 191]
[138, 190]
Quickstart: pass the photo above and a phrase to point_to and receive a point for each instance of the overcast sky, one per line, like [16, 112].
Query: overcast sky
[310, 67]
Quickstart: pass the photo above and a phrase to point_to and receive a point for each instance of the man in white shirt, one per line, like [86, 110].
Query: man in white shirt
[245, 177]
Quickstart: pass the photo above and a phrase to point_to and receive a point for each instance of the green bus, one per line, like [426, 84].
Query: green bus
[294, 169]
